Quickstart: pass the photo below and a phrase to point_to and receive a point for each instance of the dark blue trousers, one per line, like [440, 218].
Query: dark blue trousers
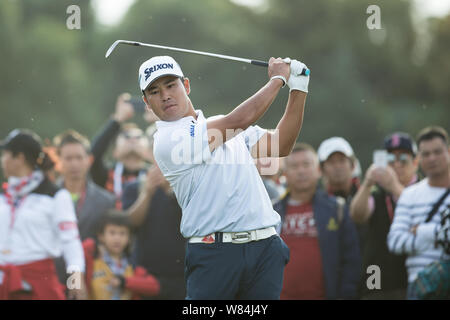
[247, 271]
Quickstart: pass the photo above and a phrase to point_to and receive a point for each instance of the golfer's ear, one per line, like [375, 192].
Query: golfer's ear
[144, 98]
[187, 85]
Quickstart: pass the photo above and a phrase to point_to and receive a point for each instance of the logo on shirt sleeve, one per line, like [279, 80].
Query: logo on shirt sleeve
[192, 128]
[67, 225]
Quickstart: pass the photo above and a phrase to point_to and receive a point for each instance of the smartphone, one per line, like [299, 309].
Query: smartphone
[380, 158]
[138, 105]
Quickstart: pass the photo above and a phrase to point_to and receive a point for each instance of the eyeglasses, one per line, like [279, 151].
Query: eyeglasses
[403, 158]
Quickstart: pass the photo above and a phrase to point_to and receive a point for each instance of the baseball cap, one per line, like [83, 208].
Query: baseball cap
[400, 140]
[22, 140]
[157, 67]
[332, 145]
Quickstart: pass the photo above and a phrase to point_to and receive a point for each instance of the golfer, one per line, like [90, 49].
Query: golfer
[233, 250]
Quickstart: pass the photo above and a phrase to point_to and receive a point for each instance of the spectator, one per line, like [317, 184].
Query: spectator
[338, 163]
[155, 214]
[130, 151]
[374, 204]
[413, 231]
[37, 223]
[109, 273]
[90, 201]
[325, 259]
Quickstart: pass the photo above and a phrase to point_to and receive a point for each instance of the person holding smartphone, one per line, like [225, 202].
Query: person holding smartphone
[374, 204]
[131, 156]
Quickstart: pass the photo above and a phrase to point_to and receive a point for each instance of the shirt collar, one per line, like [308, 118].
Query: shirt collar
[163, 124]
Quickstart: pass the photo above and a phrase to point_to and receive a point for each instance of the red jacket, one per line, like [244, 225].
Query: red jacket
[40, 275]
[140, 283]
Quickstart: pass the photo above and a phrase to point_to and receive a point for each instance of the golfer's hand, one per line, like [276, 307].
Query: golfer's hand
[277, 67]
[296, 80]
[124, 110]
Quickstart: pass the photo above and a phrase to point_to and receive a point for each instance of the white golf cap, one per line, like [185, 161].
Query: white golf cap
[157, 67]
[332, 145]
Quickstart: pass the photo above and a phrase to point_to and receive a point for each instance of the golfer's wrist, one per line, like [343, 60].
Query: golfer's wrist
[280, 78]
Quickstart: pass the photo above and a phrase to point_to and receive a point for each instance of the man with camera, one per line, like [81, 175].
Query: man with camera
[374, 205]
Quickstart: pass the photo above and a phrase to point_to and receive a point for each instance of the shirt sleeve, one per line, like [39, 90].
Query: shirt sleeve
[180, 148]
[65, 224]
[400, 240]
[252, 135]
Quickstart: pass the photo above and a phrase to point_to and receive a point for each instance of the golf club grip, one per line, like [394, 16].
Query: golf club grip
[305, 72]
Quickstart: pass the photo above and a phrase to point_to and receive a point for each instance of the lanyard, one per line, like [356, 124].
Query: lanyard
[389, 207]
[117, 180]
[14, 206]
[80, 202]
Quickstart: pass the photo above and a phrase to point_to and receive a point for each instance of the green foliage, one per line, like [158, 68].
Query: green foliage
[53, 78]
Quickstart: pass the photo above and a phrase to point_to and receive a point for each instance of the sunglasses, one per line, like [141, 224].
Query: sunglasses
[403, 158]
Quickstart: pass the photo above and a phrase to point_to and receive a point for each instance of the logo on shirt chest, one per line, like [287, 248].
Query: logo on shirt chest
[300, 224]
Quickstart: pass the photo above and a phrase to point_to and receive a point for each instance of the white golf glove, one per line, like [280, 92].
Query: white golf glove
[297, 81]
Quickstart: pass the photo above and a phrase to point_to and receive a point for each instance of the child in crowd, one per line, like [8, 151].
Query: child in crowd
[109, 273]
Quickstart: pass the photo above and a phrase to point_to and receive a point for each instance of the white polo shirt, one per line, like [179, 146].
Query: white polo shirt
[219, 191]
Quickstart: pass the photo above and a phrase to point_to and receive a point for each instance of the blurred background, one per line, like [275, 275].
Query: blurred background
[364, 83]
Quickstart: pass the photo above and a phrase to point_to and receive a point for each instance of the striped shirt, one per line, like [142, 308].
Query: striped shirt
[412, 209]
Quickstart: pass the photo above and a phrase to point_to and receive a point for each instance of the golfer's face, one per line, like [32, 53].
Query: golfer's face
[168, 98]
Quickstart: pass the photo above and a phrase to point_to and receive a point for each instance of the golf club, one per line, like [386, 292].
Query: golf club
[305, 71]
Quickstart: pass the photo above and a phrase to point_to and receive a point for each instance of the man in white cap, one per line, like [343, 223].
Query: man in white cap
[338, 163]
[233, 249]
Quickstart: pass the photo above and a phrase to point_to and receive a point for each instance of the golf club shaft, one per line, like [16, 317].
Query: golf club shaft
[221, 56]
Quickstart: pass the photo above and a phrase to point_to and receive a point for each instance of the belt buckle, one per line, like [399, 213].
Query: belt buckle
[241, 237]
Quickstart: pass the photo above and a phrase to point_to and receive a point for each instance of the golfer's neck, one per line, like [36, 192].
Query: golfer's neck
[191, 111]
